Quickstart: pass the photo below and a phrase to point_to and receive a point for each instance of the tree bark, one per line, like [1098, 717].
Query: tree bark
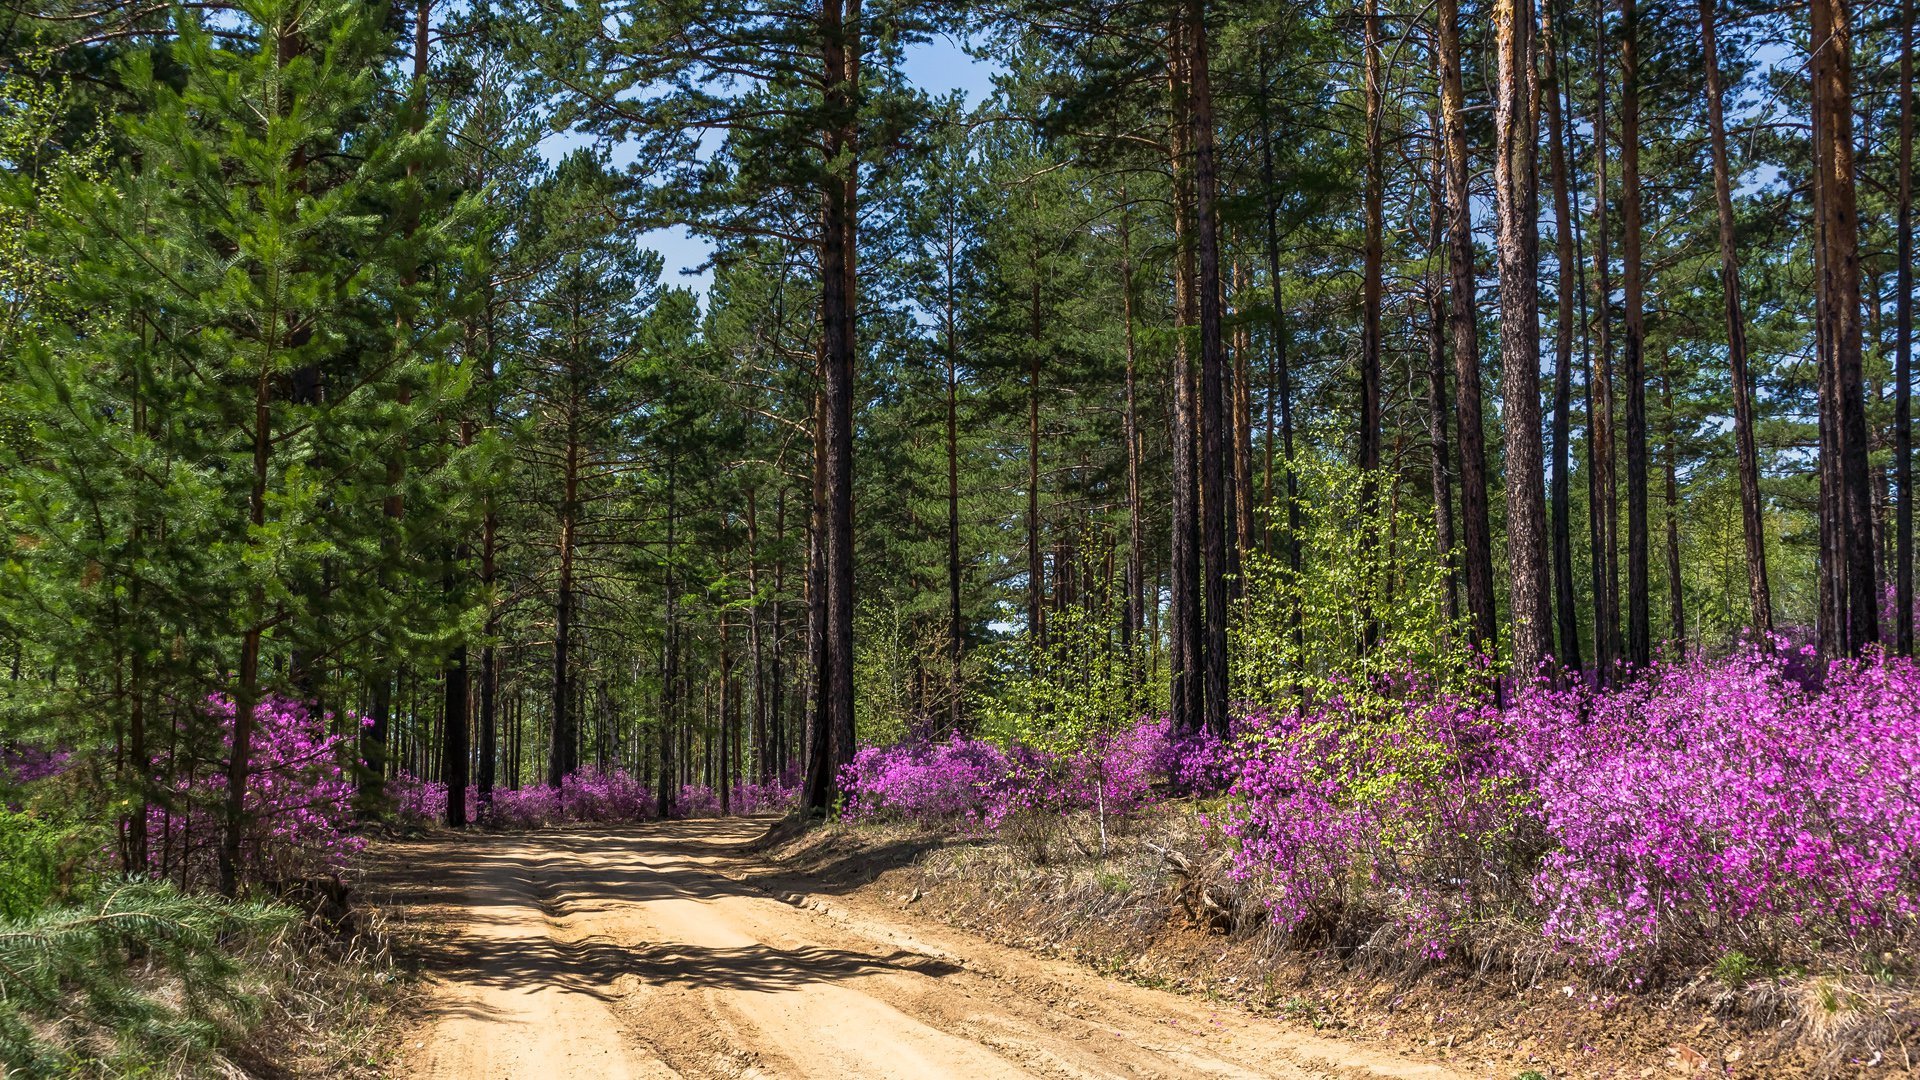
[1036, 569]
[666, 793]
[1903, 354]
[1212, 372]
[1373, 256]
[1436, 299]
[1746, 452]
[956, 621]
[1475, 528]
[1185, 654]
[1633, 288]
[562, 754]
[1518, 229]
[1566, 267]
[1604, 487]
[1281, 389]
[1676, 592]
[454, 760]
[840, 22]
[1836, 209]
[1131, 620]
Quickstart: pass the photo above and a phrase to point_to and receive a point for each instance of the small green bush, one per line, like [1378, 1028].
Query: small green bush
[38, 859]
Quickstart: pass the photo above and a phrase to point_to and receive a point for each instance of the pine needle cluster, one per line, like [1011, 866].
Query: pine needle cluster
[142, 972]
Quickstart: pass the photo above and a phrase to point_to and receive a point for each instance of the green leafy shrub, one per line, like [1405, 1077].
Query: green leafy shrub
[38, 860]
[1371, 607]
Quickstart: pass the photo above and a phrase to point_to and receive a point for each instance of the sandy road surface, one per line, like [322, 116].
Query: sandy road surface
[653, 951]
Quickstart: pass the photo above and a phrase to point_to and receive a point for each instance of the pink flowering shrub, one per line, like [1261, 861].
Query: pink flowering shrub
[1715, 802]
[1412, 816]
[976, 781]
[957, 779]
[298, 804]
[590, 796]
[1756, 801]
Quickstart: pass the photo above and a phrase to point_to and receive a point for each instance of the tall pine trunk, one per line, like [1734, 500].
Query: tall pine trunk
[1566, 267]
[1746, 452]
[562, 753]
[956, 621]
[1373, 255]
[1838, 219]
[1476, 533]
[1185, 653]
[1604, 488]
[1213, 494]
[1633, 355]
[1903, 355]
[839, 242]
[1515, 186]
[1281, 391]
[1436, 300]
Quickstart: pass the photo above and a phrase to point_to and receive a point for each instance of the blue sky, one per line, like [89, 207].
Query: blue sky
[939, 67]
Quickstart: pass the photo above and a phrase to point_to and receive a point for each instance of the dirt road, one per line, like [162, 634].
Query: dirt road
[656, 951]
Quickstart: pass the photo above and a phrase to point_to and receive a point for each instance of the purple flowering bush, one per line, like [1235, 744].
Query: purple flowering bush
[298, 802]
[976, 781]
[960, 778]
[1341, 818]
[1726, 800]
[1746, 801]
[589, 796]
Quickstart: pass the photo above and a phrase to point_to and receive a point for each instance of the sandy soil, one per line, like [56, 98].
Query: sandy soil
[670, 951]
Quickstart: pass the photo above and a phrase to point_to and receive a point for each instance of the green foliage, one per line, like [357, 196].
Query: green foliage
[38, 860]
[1076, 685]
[142, 973]
[903, 675]
[1370, 603]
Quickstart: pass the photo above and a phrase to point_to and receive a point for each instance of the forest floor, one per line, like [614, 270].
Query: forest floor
[681, 950]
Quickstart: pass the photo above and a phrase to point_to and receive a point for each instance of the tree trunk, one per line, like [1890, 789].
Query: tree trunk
[1212, 370]
[1515, 198]
[1131, 617]
[1836, 209]
[1676, 593]
[956, 621]
[1475, 528]
[1903, 355]
[1566, 268]
[776, 719]
[1436, 299]
[1281, 390]
[1186, 654]
[454, 761]
[1242, 400]
[1373, 256]
[1746, 453]
[1036, 570]
[1603, 486]
[1639, 620]
[665, 795]
[246, 694]
[762, 756]
[840, 21]
[562, 754]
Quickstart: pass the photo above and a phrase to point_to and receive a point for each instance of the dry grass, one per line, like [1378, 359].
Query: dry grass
[332, 1003]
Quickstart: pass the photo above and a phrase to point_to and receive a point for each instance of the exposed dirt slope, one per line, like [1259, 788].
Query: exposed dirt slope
[666, 950]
